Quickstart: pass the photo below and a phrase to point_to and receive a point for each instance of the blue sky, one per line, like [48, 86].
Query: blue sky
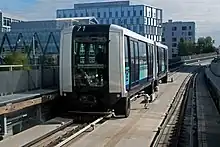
[204, 12]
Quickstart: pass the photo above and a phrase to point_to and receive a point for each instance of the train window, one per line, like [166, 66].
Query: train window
[90, 60]
[137, 62]
[127, 68]
[143, 61]
[150, 60]
[126, 50]
[132, 58]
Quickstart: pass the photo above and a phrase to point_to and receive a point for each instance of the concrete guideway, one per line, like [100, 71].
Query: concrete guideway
[207, 114]
[137, 130]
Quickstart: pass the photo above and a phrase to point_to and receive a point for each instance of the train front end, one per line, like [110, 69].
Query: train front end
[90, 82]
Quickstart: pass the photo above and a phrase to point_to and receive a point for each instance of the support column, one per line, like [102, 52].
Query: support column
[39, 113]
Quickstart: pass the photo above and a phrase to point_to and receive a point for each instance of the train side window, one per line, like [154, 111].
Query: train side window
[145, 62]
[132, 61]
[137, 61]
[142, 59]
[150, 60]
[127, 68]
[126, 51]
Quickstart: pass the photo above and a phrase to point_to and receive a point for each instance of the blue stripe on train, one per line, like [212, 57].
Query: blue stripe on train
[142, 76]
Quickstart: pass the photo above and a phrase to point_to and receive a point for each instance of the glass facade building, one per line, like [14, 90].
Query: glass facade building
[143, 19]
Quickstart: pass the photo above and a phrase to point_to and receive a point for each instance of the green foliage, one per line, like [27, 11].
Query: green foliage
[203, 45]
[17, 58]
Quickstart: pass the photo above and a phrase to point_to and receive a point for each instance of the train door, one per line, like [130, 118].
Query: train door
[134, 66]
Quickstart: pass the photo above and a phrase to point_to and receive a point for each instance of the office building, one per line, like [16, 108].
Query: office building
[47, 35]
[6, 20]
[173, 31]
[143, 19]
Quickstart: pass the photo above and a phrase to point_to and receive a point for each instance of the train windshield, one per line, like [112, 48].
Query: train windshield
[91, 61]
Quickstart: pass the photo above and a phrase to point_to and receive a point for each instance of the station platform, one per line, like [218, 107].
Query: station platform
[33, 133]
[139, 128]
[14, 102]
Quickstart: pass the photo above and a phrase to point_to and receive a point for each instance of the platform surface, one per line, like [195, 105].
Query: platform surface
[13, 98]
[31, 134]
[140, 128]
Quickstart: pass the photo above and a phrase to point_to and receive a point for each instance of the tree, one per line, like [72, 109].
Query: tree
[203, 45]
[182, 47]
[206, 44]
[17, 58]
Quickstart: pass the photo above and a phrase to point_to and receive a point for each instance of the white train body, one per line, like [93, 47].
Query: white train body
[114, 62]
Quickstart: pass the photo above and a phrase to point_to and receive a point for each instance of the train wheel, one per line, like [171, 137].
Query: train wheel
[123, 107]
[127, 107]
[165, 79]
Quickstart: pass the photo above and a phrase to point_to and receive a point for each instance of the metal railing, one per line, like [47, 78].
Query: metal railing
[20, 78]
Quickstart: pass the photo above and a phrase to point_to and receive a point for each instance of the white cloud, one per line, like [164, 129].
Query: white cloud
[203, 12]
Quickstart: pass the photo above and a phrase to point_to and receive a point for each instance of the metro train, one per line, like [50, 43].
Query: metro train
[103, 66]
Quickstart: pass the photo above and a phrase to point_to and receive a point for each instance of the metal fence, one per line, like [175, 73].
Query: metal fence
[19, 78]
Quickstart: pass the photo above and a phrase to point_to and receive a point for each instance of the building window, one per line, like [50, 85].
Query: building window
[134, 12]
[64, 15]
[184, 28]
[174, 55]
[174, 39]
[128, 13]
[190, 28]
[113, 21]
[174, 44]
[98, 14]
[122, 14]
[70, 15]
[87, 14]
[163, 39]
[135, 28]
[141, 12]
[172, 50]
[138, 21]
[189, 33]
[110, 14]
[131, 21]
[116, 14]
[107, 21]
[104, 14]
[141, 28]
[93, 14]
[119, 21]
[59, 16]
[125, 21]
[81, 15]
[174, 28]
[164, 29]
[172, 33]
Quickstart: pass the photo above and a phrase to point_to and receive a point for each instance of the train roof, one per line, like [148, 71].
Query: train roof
[136, 35]
[161, 45]
[125, 32]
[131, 33]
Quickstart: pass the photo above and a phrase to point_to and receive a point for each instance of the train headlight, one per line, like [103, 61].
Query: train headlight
[118, 95]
